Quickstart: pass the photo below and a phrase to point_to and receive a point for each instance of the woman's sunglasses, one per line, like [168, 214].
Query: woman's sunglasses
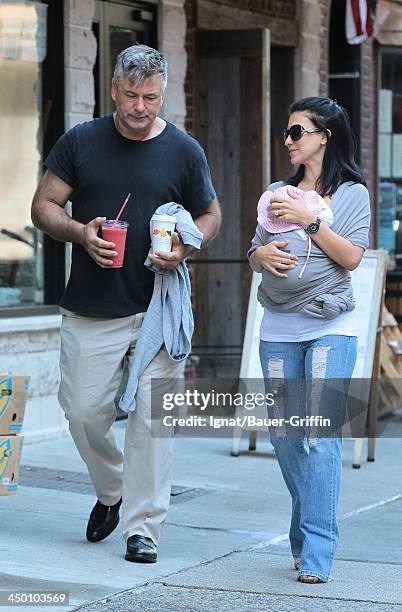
[296, 132]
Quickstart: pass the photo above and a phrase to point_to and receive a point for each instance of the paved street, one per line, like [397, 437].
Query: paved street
[224, 545]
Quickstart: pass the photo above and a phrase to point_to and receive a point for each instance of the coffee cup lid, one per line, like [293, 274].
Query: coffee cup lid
[163, 218]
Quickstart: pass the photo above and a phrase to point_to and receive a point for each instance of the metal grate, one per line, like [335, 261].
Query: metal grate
[77, 482]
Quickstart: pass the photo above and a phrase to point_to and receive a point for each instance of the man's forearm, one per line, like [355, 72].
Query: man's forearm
[54, 221]
[209, 226]
[208, 223]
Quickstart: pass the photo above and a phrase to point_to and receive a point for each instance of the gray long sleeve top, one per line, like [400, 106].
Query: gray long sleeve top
[169, 319]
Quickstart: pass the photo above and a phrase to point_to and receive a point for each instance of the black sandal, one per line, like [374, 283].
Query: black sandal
[305, 579]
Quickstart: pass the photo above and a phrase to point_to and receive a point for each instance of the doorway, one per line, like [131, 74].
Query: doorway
[233, 126]
[344, 69]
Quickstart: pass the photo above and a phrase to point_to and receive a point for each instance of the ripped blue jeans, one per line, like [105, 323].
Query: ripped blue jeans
[311, 466]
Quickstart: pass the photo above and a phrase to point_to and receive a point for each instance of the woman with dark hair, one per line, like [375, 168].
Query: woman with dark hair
[322, 214]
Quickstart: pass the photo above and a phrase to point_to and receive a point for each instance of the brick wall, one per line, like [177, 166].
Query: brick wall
[325, 8]
[368, 124]
[275, 8]
[172, 39]
[80, 54]
[190, 80]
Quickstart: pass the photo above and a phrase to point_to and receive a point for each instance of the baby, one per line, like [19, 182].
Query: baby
[313, 202]
[322, 288]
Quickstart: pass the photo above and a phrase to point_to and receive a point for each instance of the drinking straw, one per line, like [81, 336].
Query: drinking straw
[122, 208]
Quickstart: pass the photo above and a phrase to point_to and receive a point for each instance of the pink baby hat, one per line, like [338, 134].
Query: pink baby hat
[314, 203]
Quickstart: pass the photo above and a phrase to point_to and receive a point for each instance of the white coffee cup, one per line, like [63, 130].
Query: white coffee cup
[162, 228]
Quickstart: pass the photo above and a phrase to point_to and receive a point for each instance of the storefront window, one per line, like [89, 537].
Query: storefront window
[390, 155]
[22, 51]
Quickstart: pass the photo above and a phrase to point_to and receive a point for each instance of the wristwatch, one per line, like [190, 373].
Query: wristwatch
[313, 227]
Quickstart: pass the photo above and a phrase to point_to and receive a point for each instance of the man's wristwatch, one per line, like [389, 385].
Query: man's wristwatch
[313, 227]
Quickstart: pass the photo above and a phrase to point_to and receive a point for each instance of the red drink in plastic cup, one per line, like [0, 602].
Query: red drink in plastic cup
[116, 231]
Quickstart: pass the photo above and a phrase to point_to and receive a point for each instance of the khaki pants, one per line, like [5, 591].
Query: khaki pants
[91, 363]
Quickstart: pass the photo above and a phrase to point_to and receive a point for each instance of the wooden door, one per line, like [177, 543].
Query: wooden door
[233, 127]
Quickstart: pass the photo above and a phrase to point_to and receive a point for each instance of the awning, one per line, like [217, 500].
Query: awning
[388, 22]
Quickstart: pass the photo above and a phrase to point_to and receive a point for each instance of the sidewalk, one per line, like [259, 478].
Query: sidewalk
[223, 546]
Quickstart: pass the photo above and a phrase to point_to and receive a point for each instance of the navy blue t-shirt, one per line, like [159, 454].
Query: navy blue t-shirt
[102, 167]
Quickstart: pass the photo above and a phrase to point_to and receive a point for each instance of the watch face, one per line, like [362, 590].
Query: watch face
[313, 227]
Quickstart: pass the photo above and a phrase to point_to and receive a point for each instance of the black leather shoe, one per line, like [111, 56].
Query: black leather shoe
[102, 521]
[141, 549]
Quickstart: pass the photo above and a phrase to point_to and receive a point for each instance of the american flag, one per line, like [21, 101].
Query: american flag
[359, 21]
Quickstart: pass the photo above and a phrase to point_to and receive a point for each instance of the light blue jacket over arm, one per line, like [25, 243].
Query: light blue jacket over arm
[169, 319]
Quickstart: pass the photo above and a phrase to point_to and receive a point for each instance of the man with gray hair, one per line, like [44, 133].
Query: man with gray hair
[95, 165]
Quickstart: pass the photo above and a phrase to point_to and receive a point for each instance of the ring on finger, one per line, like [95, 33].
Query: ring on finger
[277, 213]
